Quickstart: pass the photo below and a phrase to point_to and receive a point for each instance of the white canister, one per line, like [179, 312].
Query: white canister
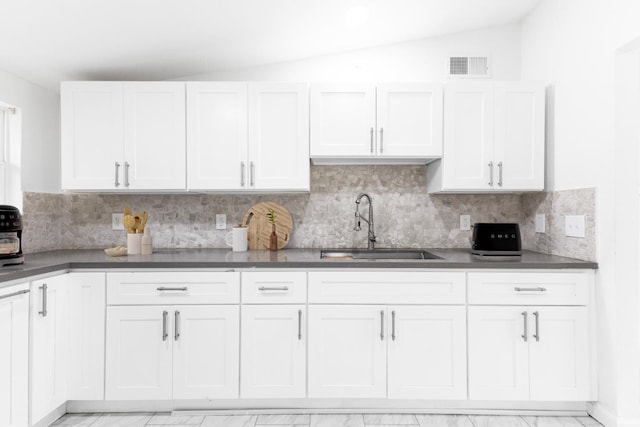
[134, 244]
[237, 239]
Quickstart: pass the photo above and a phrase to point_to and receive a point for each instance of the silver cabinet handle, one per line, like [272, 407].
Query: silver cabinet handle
[381, 136]
[382, 325]
[117, 182]
[126, 174]
[299, 325]
[393, 325]
[176, 328]
[538, 289]
[252, 171]
[164, 325]
[536, 315]
[526, 332]
[14, 294]
[371, 136]
[273, 288]
[165, 288]
[499, 174]
[241, 174]
[44, 287]
[490, 174]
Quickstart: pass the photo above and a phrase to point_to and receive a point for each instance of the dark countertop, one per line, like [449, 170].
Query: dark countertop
[46, 262]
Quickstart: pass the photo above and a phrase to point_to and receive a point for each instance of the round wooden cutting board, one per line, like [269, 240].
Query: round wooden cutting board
[259, 231]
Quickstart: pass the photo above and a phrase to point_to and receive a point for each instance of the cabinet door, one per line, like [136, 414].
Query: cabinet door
[559, 353]
[519, 135]
[92, 143]
[206, 356]
[273, 351]
[48, 346]
[278, 136]
[409, 118]
[343, 120]
[154, 136]
[427, 352]
[217, 135]
[86, 335]
[14, 356]
[468, 137]
[138, 355]
[347, 351]
[498, 353]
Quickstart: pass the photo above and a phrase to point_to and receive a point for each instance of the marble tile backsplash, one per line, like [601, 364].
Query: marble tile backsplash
[405, 215]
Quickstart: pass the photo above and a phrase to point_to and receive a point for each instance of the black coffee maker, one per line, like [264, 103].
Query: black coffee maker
[10, 235]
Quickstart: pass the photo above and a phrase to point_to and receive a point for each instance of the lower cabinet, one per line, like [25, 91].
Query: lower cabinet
[172, 352]
[273, 361]
[404, 352]
[14, 356]
[529, 353]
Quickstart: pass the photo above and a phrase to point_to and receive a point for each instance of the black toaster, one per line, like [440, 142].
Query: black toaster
[496, 240]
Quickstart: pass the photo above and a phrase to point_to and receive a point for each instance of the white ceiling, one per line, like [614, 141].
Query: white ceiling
[47, 41]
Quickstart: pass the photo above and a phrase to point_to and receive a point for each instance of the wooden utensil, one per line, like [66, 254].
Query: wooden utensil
[260, 227]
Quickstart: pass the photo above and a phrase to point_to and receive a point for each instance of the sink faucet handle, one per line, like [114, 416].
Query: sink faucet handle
[357, 226]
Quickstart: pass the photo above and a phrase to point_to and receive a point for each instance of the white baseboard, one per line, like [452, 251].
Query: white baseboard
[608, 419]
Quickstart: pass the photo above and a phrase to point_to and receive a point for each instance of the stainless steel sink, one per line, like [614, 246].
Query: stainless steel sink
[377, 254]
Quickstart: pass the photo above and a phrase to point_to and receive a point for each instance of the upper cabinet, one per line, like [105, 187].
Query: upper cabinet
[119, 135]
[493, 138]
[365, 123]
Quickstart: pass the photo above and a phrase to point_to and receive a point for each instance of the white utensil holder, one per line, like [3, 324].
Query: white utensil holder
[134, 244]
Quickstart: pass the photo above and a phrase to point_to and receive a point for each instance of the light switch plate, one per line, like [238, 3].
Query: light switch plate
[116, 221]
[540, 223]
[574, 225]
[221, 222]
[465, 222]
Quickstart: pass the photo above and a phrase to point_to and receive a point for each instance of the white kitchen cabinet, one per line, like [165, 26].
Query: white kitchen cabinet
[493, 138]
[427, 352]
[49, 351]
[172, 352]
[86, 310]
[347, 351]
[528, 353]
[217, 139]
[278, 136]
[362, 123]
[14, 356]
[123, 135]
[273, 362]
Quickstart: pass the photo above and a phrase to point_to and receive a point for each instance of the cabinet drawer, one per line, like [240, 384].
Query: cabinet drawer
[387, 287]
[274, 287]
[173, 288]
[529, 288]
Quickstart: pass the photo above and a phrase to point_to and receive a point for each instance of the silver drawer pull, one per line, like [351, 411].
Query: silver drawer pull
[299, 325]
[176, 326]
[14, 294]
[382, 325]
[43, 313]
[180, 289]
[273, 288]
[393, 325]
[164, 325]
[538, 289]
[525, 335]
[537, 334]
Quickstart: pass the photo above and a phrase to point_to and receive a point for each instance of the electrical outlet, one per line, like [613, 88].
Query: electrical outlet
[465, 222]
[540, 223]
[116, 221]
[574, 225]
[221, 222]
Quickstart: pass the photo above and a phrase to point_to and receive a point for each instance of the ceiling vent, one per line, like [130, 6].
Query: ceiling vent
[469, 67]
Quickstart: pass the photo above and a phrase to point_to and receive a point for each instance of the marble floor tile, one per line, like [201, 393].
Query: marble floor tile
[76, 420]
[337, 420]
[588, 421]
[497, 421]
[444, 421]
[552, 422]
[399, 419]
[283, 419]
[229, 421]
[168, 419]
[391, 425]
[282, 425]
[123, 420]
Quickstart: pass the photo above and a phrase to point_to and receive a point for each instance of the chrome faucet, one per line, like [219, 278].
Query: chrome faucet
[371, 235]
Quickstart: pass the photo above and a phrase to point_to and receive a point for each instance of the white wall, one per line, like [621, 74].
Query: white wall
[40, 132]
[421, 60]
[572, 44]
